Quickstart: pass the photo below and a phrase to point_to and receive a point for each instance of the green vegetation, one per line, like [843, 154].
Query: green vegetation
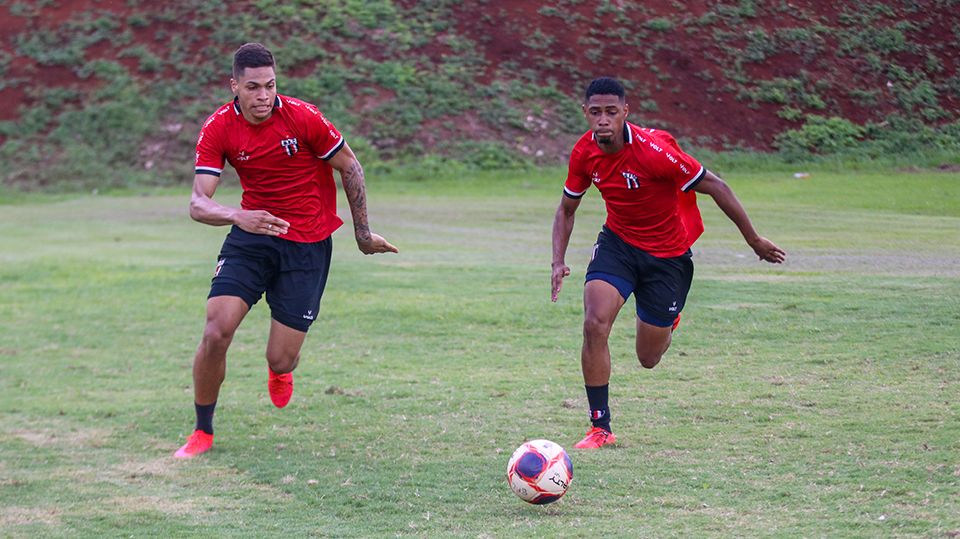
[116, 135]
[820, 135]
[816, 399]
[899, 139]
[404, 80]
[661, 24]
[876, 34]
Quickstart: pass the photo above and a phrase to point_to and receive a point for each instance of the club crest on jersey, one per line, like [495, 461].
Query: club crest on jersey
[290, 145]
[632, 180]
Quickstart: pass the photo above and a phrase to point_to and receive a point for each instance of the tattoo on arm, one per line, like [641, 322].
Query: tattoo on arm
[353, 185]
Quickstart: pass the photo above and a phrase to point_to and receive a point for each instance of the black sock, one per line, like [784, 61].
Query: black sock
[205, 416]
[599, 410]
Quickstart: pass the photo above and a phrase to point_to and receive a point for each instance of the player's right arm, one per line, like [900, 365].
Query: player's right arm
[562, 227]
[205, 210]
[574, 188]
[211, 156]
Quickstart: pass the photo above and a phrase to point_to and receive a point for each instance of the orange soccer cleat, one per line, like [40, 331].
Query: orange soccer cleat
[596, 437]
[198, 442]
[280, 387]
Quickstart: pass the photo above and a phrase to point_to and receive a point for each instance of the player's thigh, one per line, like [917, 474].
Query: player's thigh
[601, 303]
[662, 290]
[652, 341]
[612, 261]
[609, 280]
[294, 296]
[246, 265]
[284, 343]
[224, 314]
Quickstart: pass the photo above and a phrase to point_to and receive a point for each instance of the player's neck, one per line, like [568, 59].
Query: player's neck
[612, 146]
[248, 114]
[253, 120]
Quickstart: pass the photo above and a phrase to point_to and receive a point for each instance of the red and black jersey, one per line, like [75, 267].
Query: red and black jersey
[646, 187]
[282, 163]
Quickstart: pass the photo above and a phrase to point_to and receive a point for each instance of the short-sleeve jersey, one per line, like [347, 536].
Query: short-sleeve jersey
[646, 187]
[281, 162]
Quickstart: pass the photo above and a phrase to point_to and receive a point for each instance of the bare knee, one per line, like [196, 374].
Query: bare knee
[648, 360]
[650, 356]
[216, 338]
[281, 363]
[595, 328]
[652, 343]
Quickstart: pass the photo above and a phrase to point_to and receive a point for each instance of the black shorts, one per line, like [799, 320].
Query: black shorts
[292, 274]
[659, 285]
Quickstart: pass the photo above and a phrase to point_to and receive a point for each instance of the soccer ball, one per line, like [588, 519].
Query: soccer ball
[539, 472]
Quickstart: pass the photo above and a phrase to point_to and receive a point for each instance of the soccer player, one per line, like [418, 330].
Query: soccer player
[284, 152]
[647, 183]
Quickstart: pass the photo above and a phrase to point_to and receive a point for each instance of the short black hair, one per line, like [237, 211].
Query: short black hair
[251, 55]
[604, 86]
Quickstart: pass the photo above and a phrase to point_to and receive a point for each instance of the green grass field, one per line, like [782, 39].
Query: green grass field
[814, 399]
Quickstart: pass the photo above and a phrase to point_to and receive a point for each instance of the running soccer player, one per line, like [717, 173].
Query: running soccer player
[647, 183]
[284, 152]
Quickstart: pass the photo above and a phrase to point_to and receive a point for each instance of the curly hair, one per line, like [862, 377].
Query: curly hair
[604, 86]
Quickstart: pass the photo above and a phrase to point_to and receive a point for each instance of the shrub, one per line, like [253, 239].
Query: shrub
[660, 24]
[486, 155]
[760, 46]
[819, 135]
[790, 113]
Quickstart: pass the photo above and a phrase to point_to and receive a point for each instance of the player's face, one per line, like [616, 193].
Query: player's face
[605, 114]
[256, 89]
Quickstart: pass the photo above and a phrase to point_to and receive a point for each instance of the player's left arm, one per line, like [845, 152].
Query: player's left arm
[351, 176]
[726, 200]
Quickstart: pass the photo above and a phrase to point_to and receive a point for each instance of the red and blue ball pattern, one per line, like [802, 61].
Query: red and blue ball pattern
[539, 472]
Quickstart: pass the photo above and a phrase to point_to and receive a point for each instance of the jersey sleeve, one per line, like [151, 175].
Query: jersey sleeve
[210, 147]
[677, 165]
[578, 181]
[322, 136]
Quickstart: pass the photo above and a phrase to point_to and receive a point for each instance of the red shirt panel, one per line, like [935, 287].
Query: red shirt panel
[281, 163]
[646, 187]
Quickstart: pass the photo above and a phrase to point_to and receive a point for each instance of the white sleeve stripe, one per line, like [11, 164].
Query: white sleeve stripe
[209, 170]
[573, 194]
[696, 179]
[333, 150]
